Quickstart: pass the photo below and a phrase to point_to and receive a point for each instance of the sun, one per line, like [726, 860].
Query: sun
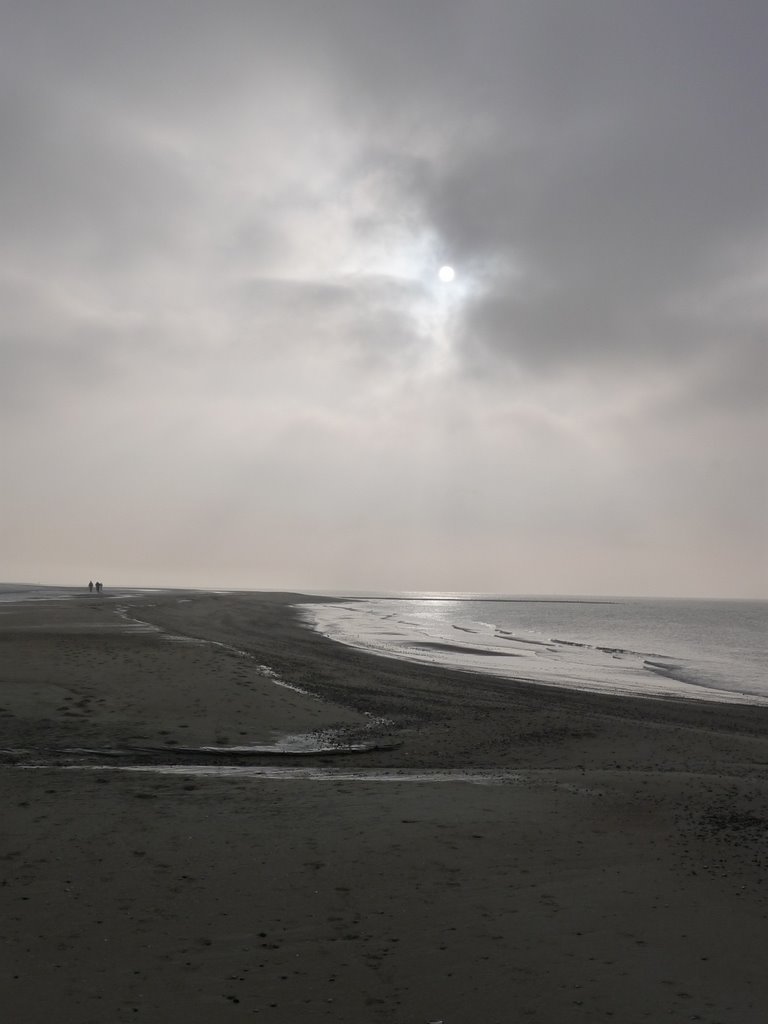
[446, 274]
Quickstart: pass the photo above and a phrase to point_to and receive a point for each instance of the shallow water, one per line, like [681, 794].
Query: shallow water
[704, 650]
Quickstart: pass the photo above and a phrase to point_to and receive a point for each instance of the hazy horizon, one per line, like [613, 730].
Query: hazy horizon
[228, 359]
[351, 592]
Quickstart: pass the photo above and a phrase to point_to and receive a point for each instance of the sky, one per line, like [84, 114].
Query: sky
[227, 358]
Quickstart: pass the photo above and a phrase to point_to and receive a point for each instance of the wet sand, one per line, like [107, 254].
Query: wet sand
[506, 852]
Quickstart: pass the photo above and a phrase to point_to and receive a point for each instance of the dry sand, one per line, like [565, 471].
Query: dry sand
[534, 854]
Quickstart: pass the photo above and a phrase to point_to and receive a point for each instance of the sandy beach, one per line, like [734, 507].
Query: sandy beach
[495, 852]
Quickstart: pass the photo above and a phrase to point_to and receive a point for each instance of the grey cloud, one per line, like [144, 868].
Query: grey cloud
[611, 156]
[369, 317]
[219, 228]
[77, 191]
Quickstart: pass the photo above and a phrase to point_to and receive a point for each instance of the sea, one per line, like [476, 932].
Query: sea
[685, 649]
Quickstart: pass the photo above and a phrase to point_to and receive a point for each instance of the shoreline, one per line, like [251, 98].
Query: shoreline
[535, 853]
[434, 711]
[365, 681]
[594, 661]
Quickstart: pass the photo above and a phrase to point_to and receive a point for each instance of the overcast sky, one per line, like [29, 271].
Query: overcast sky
[226, 358]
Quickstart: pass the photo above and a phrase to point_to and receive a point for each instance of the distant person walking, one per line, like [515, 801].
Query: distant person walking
[90, 586]
[98, 588]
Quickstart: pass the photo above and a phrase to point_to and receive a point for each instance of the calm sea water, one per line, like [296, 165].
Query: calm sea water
[710, 650]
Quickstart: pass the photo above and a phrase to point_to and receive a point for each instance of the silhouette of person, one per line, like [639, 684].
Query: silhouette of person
[90, 586]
